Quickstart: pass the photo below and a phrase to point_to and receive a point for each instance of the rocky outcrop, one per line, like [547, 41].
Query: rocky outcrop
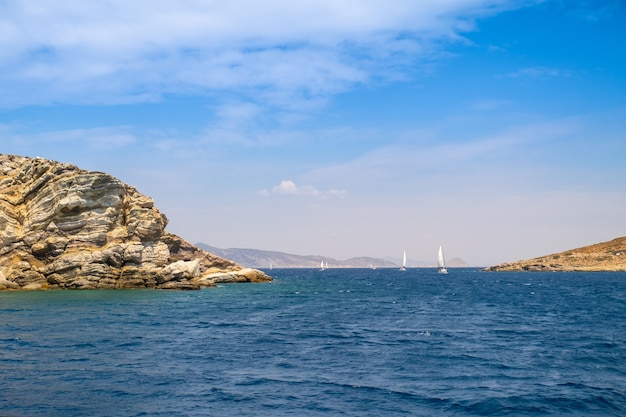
[606, 256]
[64, 227]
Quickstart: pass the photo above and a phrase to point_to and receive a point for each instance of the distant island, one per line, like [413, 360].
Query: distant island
[257, 258]
[606, 256]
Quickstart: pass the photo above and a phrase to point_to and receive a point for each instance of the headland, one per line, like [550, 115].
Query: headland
[62, 227]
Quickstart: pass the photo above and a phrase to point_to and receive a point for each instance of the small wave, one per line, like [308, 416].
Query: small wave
[127, 344]
[533, 404]
[513, 405]
[10, 339]
[372, 392]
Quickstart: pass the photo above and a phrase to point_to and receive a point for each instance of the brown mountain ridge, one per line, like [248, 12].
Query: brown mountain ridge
[606, 256]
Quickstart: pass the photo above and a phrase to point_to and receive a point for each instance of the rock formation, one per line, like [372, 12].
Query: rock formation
[606, 256]
[64, 227]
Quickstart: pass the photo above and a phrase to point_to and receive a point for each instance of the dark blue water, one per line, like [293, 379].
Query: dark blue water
[332, 343]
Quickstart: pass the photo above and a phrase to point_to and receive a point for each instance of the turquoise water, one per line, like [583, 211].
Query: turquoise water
[352, 342]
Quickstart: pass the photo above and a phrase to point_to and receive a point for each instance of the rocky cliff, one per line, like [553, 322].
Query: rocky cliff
[606, 256]
[64, 227]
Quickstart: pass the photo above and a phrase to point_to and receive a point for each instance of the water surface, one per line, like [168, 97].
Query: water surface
[351, 342]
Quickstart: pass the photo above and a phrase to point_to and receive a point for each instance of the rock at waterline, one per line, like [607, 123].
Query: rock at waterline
[600, 257]
[65, 227]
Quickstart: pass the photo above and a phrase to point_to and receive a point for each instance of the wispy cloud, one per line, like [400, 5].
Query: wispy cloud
[486, 161]
[489, 105]
[586, 11]
[278, 51]
[538, 73]
[94, 139]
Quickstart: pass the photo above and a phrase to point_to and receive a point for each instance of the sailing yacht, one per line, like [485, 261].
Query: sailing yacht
[403, 268]
[441, 262]
[322, 265]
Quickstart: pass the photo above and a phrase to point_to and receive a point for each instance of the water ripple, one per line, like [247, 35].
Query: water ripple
[342, 342]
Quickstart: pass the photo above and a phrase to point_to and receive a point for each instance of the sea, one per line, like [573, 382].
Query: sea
[338, 342]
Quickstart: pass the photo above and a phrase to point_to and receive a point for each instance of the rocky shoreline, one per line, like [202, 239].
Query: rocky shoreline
[62, 227]
[607, 256]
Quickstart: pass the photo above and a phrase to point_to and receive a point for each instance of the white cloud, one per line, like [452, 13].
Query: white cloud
[337, 193]
[280, 50]
[288, 187]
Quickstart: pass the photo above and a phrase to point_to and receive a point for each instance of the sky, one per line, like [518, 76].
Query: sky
[496, 128]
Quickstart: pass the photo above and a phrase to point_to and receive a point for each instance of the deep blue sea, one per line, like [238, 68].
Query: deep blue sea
[344, 342]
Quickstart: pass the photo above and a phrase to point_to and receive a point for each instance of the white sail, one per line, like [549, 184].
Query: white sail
[441, 262]
[403, 262]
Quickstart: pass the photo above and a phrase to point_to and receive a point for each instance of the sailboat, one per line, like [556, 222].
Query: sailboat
[322, 267]
[403, 268]
[441, 262]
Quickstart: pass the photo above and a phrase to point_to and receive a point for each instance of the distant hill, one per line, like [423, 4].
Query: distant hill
[263, 258]
[256, 258]
[606, 256]
[455, 263]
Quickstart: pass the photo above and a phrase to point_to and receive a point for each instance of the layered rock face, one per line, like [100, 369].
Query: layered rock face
[64, 227]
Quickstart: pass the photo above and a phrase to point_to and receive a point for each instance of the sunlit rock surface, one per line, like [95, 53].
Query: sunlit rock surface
[64, 227]
[606, 256]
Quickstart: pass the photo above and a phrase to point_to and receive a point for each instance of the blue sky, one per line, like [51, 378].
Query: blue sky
[353, 128]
